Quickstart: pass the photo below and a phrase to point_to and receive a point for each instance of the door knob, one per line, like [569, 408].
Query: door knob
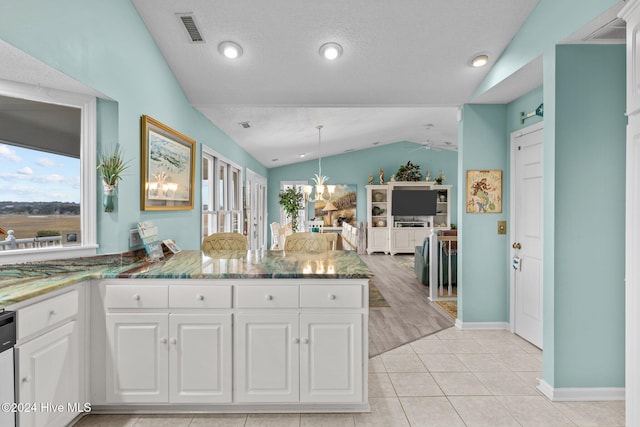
[516, 246]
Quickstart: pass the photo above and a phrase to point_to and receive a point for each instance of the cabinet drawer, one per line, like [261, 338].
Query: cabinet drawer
[143, 296]
[320, 296]
[41, 315]
[266, 296]
[181, 296]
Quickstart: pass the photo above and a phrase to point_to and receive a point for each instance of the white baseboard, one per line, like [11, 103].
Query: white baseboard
[481, 325]
[579, 394]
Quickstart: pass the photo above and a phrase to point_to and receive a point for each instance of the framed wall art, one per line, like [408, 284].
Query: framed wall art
[484, 191]
[168, 166]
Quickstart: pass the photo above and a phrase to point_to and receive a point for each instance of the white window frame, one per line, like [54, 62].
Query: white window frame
[232, 218]
[88, 212]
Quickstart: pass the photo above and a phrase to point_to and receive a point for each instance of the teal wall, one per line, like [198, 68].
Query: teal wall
[105, 45]
[483, 274]
[526, 103]
[355, 168]
[548, 23]
[588, 286]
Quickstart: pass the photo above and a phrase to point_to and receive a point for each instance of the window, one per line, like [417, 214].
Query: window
[47, 173]
[221, 194]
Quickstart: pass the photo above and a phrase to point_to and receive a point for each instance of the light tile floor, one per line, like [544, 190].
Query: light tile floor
[452, 378]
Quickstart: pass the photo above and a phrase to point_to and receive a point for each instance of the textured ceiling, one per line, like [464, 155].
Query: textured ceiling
[405, 65]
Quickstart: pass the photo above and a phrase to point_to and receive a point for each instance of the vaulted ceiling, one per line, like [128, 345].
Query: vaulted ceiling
[403, 73]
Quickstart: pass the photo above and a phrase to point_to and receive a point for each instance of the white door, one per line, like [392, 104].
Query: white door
[331, 358]
[137, 361]
[526, 220]
[48, 375]
[632, 269]
[199, 358]
[267, 358]
[256, 210]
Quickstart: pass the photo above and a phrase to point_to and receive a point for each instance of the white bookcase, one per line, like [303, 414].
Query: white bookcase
[389, 234]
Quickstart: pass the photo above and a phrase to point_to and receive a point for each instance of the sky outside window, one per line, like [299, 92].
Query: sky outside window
[35, 176]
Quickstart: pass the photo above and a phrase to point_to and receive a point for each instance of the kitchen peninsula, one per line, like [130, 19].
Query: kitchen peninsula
[225, 331]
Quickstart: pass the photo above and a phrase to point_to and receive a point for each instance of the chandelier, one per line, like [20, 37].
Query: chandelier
[323, 192]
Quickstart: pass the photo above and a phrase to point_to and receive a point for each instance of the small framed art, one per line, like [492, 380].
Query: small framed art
[484, 191]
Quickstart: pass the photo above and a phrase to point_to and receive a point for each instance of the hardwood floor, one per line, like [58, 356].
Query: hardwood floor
[410, 316]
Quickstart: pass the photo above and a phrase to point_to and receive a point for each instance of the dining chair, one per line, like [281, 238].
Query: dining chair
[224, 241]
[306, 242]
[275, 235]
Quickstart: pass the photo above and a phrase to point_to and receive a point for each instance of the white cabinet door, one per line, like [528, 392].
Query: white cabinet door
[419, 235]
[48, 377]
[331, 358]
[200, 358]
[378, 238]
[267, 358]
[401, 240]
[137, 363]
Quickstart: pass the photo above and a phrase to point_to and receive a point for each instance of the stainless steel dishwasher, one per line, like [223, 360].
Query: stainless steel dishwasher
[7, 384]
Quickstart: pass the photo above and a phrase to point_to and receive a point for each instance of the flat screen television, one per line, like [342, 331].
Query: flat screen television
[413, 202]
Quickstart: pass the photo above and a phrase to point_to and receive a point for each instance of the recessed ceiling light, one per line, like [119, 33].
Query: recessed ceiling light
[301, 155]
[229, 49]
[479, 60]
[331, 51]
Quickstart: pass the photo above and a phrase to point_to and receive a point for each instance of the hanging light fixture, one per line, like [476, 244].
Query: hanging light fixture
[323, 192]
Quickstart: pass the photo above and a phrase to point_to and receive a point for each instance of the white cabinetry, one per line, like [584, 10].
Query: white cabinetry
[377, 219]
[284, 342]
[389, 234]
[166, 356]
[406, 239]
[49, 361]
[292, 356]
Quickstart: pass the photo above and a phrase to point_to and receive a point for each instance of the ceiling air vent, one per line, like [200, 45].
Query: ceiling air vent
[189, 22]
[613, 31]
[245, 125]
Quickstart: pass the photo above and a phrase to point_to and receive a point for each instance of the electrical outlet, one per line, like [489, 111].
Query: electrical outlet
[502, 227]
[134, 239]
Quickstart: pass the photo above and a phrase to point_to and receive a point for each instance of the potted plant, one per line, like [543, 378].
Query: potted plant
[112, 166]
[291, 203]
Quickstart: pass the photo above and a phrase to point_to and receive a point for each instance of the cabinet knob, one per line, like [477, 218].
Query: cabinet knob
[332, 296]
[200, 297]
[163, 340]
[305, 341]
[173, 341]
[268, 297]
[136, 297]
[52, 313]
[26, 379]
[296, 340]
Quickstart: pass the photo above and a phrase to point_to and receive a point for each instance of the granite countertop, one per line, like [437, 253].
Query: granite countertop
[19, 282]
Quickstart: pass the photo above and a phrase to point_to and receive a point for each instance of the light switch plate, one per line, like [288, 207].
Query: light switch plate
[502, 227]
[134, 239]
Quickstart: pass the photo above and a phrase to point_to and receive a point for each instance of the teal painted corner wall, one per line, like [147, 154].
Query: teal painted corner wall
[106, 46]
[590, 143]
[525, 104]
[483, 272]
[355, 168]
[548, 23]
